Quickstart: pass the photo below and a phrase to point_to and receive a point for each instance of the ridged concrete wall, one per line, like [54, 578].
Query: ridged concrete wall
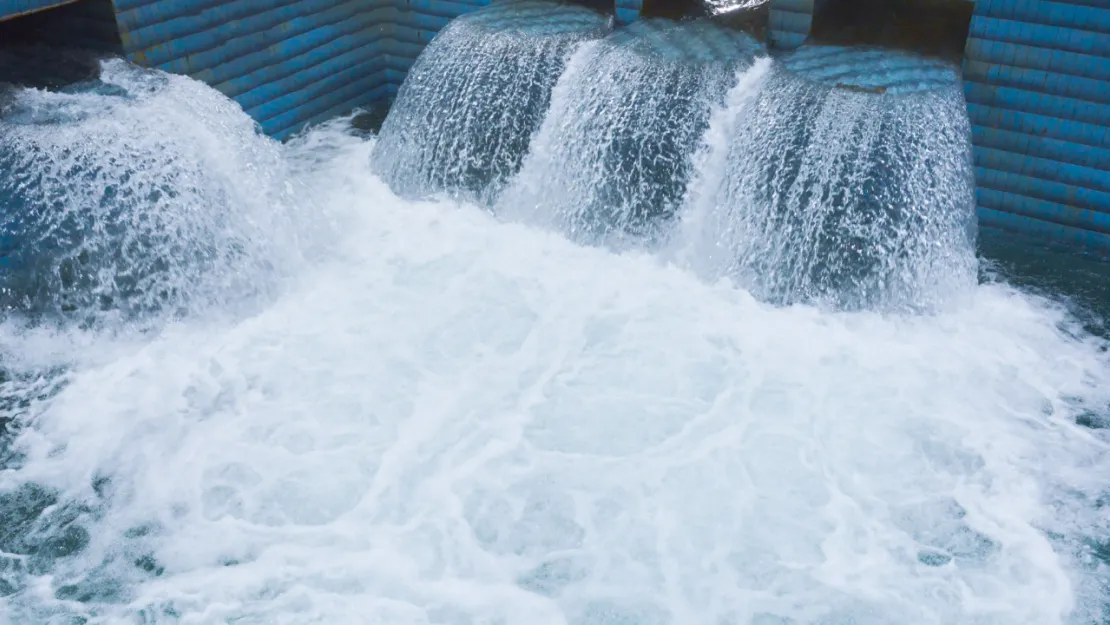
[1037, 82]
[10, 9]
[287, 62]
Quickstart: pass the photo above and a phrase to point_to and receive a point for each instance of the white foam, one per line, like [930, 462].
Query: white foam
[453, 420]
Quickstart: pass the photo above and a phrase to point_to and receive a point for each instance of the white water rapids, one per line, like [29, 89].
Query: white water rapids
[429, 415]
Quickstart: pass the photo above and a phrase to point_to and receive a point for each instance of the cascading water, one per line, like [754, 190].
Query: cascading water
[857, 196]
[427, 415]
[107, 218]
[612, 157]
[467, 110]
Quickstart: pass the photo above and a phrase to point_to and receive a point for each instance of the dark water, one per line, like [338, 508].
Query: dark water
[1079, 280]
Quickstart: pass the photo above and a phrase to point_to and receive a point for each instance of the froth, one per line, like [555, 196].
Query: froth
[458, 420]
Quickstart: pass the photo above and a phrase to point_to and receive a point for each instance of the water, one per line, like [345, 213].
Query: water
[611, 161]
[810, 193]
[467, 110]
[107, 216]
[417, 412]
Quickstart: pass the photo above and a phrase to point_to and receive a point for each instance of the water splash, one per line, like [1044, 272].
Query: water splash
[718, 7]
[135, 195]
[126, 202]
[468, 108]
[611, 160]
[810, 193]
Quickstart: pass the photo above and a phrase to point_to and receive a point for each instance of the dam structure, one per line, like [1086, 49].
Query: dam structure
[554, 312]
[1035, 74]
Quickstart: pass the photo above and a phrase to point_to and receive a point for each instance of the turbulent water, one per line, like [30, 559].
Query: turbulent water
[350, 407]
[467, 110]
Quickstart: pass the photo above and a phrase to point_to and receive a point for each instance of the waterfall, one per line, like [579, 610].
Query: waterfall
[860, 196]
[466, 112]
[612, 159]
[122, 201]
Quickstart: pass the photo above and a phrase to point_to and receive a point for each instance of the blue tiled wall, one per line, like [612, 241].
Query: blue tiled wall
[287, 62]
[1037, 82]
